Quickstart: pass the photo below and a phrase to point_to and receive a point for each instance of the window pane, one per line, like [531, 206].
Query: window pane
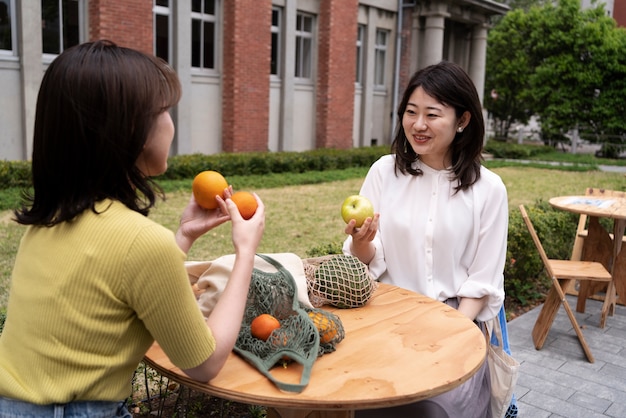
[6, 39]
[209, 7]
[162, 37]
[275, 51]
[274, 56]
[307, 24]
[359, 53]
[195, 43]
[164, 3]
[71, 35]
[209, 42]
[379, 70]
[306, 58]
[196, 6]
[50, 29]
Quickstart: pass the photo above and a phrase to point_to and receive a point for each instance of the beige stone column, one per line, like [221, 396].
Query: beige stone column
[434, 34]
[30, 47]
[478, 58]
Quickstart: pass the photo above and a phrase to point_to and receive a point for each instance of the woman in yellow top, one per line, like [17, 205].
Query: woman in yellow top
[95, 281]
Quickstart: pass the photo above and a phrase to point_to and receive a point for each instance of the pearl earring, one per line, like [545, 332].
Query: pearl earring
[459, 129]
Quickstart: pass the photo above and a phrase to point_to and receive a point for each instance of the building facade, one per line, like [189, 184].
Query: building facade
[257, 75]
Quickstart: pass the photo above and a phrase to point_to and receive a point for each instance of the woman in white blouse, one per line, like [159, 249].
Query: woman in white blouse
[441, 219]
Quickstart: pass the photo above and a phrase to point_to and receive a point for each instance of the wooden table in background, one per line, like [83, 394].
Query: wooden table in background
[401, 347]
[599, 246]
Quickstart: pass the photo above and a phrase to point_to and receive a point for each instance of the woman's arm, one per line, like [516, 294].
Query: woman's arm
[471, 307]
[225, 318]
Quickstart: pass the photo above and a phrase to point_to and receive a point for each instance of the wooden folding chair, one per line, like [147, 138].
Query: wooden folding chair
[562, 273]
[588, 290]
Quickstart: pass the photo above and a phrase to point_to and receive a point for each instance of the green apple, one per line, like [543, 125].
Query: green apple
[357, 207]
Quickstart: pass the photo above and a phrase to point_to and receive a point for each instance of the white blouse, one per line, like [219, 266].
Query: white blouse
[437, 243]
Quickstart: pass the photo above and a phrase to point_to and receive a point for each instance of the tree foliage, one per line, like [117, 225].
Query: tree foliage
[565, 65]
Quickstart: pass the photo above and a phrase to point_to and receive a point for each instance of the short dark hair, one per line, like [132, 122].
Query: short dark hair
[451, 85]
[96, 106]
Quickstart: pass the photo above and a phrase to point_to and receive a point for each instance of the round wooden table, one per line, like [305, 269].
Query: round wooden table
[600, 245]
[399, 348]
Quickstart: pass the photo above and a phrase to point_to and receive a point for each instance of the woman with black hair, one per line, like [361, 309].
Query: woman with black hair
[95, 281]
[441, 218]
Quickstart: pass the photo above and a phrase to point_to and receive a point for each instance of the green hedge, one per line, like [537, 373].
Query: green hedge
[17, 173]
[246, 163]
[3, 317]
[500, 149]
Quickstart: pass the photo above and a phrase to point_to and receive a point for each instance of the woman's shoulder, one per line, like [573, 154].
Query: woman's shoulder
[115, 216]
[490, 178]
[384, 162]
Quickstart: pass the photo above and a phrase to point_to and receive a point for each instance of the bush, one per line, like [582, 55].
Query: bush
[3, 317]
[500, 149]
[15, 174]
[246, 163]
[524, 275]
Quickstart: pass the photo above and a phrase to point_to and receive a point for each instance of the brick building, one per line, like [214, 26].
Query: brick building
[257, 75]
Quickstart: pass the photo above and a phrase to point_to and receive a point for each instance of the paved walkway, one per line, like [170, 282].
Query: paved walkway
[558, 381]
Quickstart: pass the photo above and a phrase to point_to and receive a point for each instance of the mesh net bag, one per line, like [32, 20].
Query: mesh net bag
[297, 339]
[339, 280]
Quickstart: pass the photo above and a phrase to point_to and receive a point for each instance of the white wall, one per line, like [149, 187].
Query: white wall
[206, 116]
[11, 134]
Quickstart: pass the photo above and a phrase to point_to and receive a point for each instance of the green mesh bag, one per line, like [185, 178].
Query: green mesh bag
[297, 339]
[339, 280]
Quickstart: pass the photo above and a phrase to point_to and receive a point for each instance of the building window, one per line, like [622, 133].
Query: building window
[277, 15]
[60, 25]
[203, 34]
[380, 56]
[6, 28]
[360, 41]
[162, 29]
[304, 46]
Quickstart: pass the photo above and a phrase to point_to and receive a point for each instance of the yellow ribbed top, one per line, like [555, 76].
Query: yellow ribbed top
[87, 300]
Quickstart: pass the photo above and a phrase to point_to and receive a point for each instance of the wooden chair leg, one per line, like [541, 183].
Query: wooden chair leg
[581, 338]
[546, 317]
[583, 294]
[608, 307]
[554, 300]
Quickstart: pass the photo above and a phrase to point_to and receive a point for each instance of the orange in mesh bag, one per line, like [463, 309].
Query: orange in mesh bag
[339, 280]
[301, 335]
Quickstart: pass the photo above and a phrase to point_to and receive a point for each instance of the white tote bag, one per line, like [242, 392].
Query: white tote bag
[503, 370]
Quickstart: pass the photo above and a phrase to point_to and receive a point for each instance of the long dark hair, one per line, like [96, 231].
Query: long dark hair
[448, 83]
[96, 105]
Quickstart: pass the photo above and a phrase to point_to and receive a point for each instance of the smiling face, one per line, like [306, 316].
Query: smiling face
[430, 127]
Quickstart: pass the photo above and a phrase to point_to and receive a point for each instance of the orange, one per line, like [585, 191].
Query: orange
[325, 326]
[262, 326]
[246, 203]
[206, 185]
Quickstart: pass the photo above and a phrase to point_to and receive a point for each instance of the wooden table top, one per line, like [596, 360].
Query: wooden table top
[600, 206]
[399, 348]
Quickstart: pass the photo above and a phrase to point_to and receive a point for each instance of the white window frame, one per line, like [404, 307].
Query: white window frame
[304, 57]
[11, 25]
[49, 56]
[203, 18]
[276, 52]
[380, 57]
[162, 11]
